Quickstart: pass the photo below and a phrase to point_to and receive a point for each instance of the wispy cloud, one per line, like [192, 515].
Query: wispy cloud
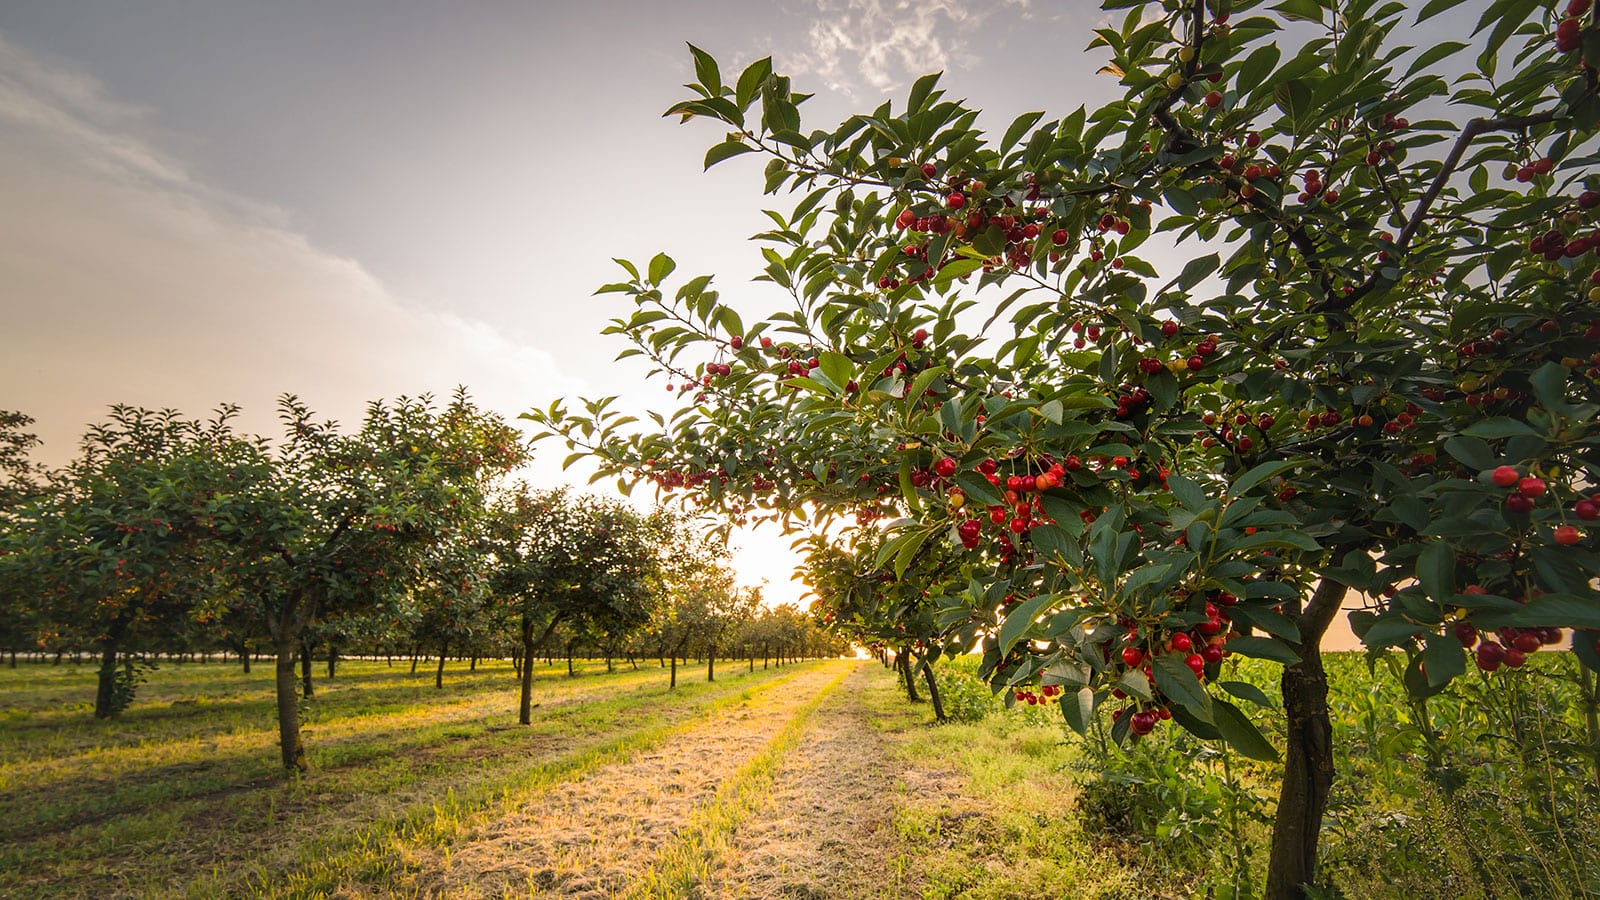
[129, 280]
[885, 43]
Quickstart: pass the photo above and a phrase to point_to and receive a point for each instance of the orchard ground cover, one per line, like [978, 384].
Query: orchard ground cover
[810, 780]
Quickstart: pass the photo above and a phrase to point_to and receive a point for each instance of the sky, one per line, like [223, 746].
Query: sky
[223, 202]
[226, 201]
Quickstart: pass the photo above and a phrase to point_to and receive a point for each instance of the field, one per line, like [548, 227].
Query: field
[814, 780]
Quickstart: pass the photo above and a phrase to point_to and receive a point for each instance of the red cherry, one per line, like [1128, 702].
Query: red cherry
[1519, 503]
[1142, 722]
[1466, 633]
[1531, 487]
[1587, 510]
[1567, 535]
[928, 170]
[955, 200]
[1181, 642]
[1132, 657]
[1489, 656]
[1514, 658]
[1505, 476]
[1196, 663]
[1212, 654]
[1214, 99]
[1528, 642]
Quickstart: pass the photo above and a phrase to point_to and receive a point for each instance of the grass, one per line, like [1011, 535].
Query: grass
[183, 795]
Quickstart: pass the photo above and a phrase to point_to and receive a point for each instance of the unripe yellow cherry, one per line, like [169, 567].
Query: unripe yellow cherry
[1175, 80]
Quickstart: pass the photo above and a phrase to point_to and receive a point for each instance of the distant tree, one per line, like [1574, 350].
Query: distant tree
[556, 558]
[118, 550]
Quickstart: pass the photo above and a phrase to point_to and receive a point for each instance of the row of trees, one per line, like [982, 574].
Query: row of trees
[1371, 368]
[169, 535]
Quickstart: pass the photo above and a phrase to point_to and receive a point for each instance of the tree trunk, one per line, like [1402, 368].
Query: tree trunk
[1308, 756]
[294, 755]
[933, 692]
[438, 675]
[673, 681]
[569, 663]
[711, 665]
[525, 706]
[244, 657]
[106, 691]
[333, 660]
[902, 664]
[305, 668]
[416, 654]
[472, 666]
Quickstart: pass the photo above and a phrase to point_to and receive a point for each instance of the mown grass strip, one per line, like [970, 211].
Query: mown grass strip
[159, 850]
[689, 860]
[381, 854]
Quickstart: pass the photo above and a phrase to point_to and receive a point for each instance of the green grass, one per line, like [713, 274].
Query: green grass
[183, 794]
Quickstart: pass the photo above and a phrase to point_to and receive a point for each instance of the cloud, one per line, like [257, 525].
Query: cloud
[129, 281]
[887, 42]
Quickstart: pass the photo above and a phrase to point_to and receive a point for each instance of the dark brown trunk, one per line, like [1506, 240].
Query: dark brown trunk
[933, 692]
[105, 703]
[438, 675]
[305, 669]
[711, 665]
[333, 660]
[294, 755]
[672, 682]
[902, 662]
[244, 657]
[1308, 753]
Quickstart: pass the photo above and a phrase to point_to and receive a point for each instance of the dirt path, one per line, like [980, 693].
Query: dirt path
[827, 828]
[592, 837]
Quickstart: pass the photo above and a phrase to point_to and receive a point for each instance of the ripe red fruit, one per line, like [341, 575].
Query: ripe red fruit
[1132, 657]
[1577, 8]
[1514, 658]
[1505, 476]
[1196, 363]
[1519, 503]
[1569, 35]
[1587, 510]
[1567, 535]
[1466, 633]
[1169, 328]
[1181, 642]
[928, 170]
[1214, 99]
[945, 467]
[969, 530]
[1489, 656]
[1196, 663]
[1211, 654]
[955, 200]
[1018, 526]
[1531, 487]
[1528, 642]
[1253, 139]
[1142, 722]
[1059, 237]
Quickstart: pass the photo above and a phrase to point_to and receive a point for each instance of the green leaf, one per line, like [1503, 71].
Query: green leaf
[1018, 129]
[1263, 648]
[955, 269]
[1305, 10]
[920, 92]
[1444, 659]
[1021, 619]
[1434, 7]
[1244, 690]
[1180, 685]
[1241, 733]
[1198, 270]
[726, 150]
[660, 267]
[705, 69]
[1078, 709]
[754, 76]
[1257, 475]
[1499, 427]
[1436, 570]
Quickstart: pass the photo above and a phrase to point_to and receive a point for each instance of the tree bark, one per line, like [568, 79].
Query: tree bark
[244, 657]
[294, 755]
[933, 692]
[525, 706]
[305, 668]
[333, 659]
[711, 665]
[902, 661]
[673, 681]
[106, 690]
[1308, 755]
